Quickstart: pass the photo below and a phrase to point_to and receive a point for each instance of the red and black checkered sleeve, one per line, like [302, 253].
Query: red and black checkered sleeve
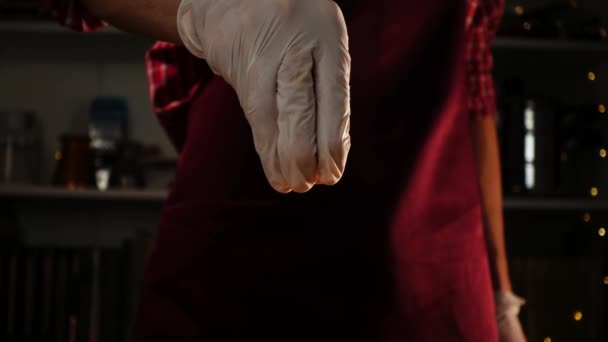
[174, 77]
[71, 14]
[483, 19]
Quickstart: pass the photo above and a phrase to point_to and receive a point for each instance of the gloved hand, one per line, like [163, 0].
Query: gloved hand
[507, 310]
[289, 64]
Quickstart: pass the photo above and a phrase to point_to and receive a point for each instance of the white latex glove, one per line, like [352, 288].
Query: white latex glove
[507, 310]
[289, 64]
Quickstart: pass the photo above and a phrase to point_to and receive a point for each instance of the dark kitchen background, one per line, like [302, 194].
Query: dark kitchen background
[74, 239]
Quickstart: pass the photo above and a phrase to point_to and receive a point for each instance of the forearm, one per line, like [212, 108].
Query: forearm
[155, 19]
[487, 156]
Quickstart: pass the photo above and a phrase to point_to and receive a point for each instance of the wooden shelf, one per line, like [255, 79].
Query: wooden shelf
[534, 44]
[160, 162]
[29, 192]
[499, 44]
[47, 26]
[553, 204]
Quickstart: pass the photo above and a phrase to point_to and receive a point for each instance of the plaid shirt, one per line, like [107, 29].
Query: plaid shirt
[482, 21]
[174, 74]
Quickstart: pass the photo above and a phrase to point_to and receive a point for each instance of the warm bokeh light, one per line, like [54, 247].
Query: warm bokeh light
[519, 10]
[601, 231]
[577, 315]
[603, 152]
[593, 191]
[527, 26]
[601, 108]
[547, 339]
[591, 76]
[606, 280]
[586, 217]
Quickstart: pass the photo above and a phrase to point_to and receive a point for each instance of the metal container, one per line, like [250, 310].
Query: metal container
[20, 148]
[74, 164]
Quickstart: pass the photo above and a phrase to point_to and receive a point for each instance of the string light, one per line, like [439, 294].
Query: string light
[547, 339]
[577, 316]
[519, 10]
[586, 217]
[593, 191]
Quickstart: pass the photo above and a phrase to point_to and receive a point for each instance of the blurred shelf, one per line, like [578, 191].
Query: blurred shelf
[504, 43]
[48, 26]
[160, 162]
[31, 192]
[553, 204]
[500, 43]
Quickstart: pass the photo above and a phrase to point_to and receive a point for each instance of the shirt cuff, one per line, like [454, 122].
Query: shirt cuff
[175, 76]
[73, 15]
[482, 95]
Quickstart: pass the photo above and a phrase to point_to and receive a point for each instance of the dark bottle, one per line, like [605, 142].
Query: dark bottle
[511, 134]
[127, 170]
[540, 155]
[528, 142]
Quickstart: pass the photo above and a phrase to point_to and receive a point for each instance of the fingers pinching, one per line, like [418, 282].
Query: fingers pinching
[332, 91]
[296, 119]
[261, 111]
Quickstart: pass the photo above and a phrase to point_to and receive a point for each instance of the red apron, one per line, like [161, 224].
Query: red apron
[393, 252]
